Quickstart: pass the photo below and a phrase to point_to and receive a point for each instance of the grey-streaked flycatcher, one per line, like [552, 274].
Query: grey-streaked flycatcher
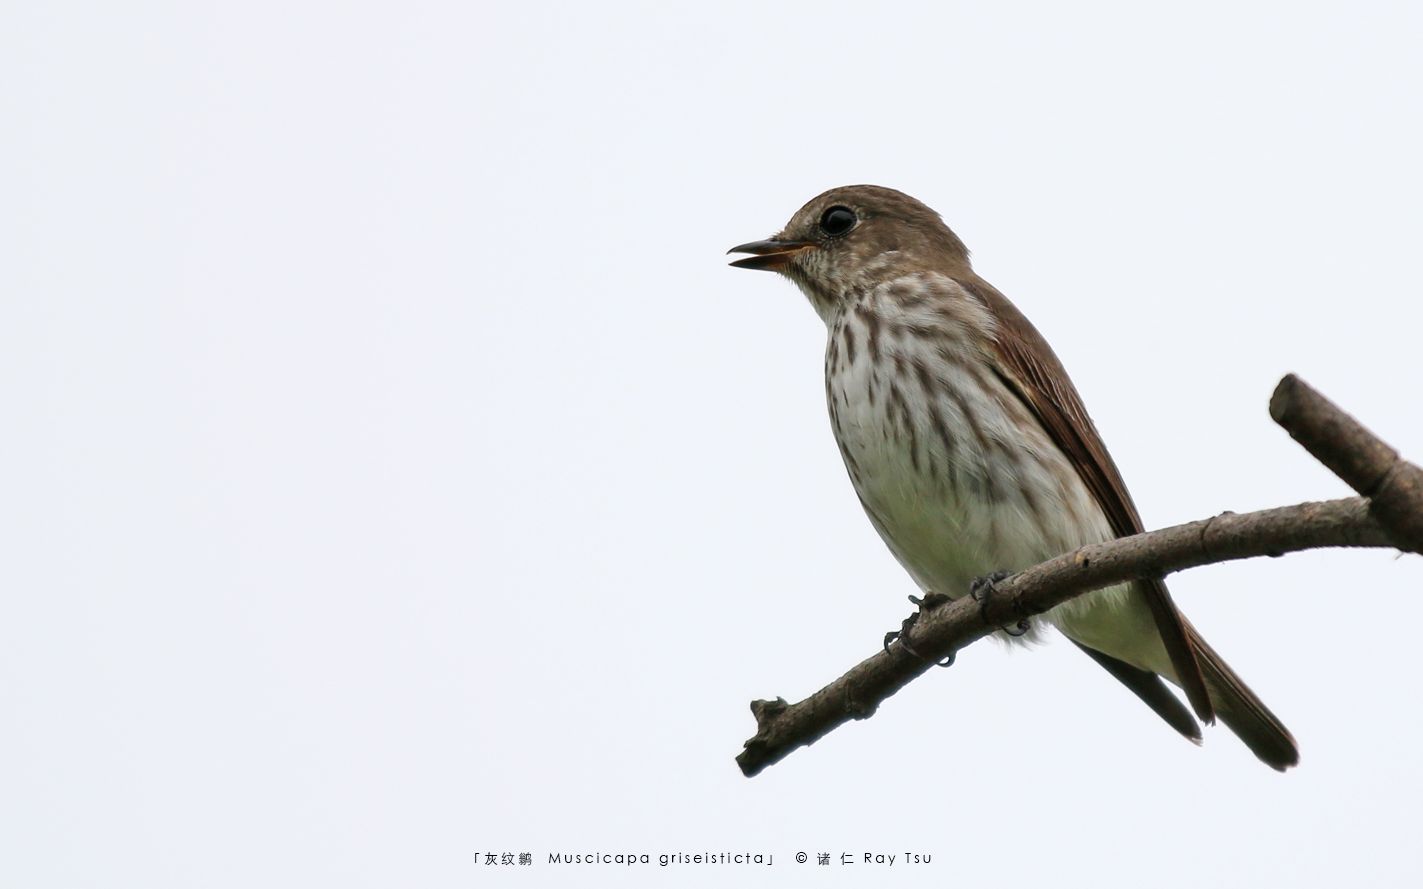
[970, 448]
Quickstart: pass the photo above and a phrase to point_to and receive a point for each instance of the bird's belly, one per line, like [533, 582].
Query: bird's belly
[947, 531]
[949, 520]
[964, 483]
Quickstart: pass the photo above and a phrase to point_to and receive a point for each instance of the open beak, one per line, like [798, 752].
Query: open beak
[770, 255]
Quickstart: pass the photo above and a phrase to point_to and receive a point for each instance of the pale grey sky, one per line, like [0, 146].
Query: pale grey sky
[393, 472]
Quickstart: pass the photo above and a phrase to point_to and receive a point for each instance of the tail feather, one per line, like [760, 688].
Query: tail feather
[1152, 690]
[1243, 712]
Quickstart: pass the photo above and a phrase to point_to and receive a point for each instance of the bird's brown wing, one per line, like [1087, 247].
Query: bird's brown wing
[1030, 369]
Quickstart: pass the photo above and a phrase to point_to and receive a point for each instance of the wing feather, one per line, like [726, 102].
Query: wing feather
[1031, 370]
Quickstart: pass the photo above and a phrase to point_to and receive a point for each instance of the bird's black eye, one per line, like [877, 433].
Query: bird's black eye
[837, 220]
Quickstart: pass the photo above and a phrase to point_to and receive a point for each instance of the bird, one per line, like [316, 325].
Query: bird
[972, 452]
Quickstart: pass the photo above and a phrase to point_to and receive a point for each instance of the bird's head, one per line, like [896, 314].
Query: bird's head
[851, 239]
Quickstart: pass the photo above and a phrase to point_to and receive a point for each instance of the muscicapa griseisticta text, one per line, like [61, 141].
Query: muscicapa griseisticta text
[970, 448]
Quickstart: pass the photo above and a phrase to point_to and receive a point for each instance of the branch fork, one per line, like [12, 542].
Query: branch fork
[1389, 513]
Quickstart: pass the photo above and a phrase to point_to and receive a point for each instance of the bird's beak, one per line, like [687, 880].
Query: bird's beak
[770, 255]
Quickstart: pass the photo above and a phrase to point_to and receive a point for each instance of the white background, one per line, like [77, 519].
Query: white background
[392, 471]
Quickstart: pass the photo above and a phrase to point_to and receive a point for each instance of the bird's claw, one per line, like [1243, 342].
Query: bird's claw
[929, 602]
[982, 589]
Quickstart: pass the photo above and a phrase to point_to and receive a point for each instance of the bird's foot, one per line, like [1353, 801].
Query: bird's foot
[983, 588]
[929, 602]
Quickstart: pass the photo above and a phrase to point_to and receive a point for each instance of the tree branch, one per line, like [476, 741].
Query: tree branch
[941, 630]
[1393, 485]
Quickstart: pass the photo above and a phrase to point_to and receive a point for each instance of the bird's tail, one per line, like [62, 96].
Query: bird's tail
[1239, 708]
